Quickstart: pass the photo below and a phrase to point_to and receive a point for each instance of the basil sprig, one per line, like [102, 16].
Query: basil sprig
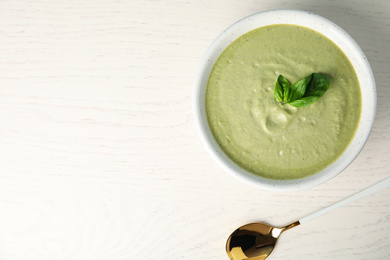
[302, 93]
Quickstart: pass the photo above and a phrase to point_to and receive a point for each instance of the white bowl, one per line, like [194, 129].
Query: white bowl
[339, 37]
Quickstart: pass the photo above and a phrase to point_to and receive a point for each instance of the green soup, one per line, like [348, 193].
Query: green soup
[260, 134]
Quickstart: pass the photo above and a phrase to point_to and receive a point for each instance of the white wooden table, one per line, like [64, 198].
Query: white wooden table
[99, 155]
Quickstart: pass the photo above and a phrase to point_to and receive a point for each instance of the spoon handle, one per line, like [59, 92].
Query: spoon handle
[384, 184]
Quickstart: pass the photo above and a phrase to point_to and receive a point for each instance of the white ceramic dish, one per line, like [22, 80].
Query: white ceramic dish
[338, 36]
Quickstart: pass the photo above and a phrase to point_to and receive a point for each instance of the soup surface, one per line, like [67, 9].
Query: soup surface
[260, 134]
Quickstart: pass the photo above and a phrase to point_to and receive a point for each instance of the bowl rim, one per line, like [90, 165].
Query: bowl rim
[315, 22]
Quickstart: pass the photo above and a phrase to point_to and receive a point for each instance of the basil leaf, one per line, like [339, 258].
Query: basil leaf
[285, 85]
[278, 93]
[305, 101]
[298, 89]
[318, 85]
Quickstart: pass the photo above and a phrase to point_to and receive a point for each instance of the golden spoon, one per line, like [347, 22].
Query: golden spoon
[256, 241]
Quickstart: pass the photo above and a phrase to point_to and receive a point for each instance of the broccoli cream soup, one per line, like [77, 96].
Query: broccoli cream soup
[260, 134]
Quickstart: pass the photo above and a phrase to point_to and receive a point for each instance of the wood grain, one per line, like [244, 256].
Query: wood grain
[99, 155]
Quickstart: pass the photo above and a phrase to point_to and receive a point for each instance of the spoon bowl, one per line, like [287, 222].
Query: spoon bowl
[254, 241]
